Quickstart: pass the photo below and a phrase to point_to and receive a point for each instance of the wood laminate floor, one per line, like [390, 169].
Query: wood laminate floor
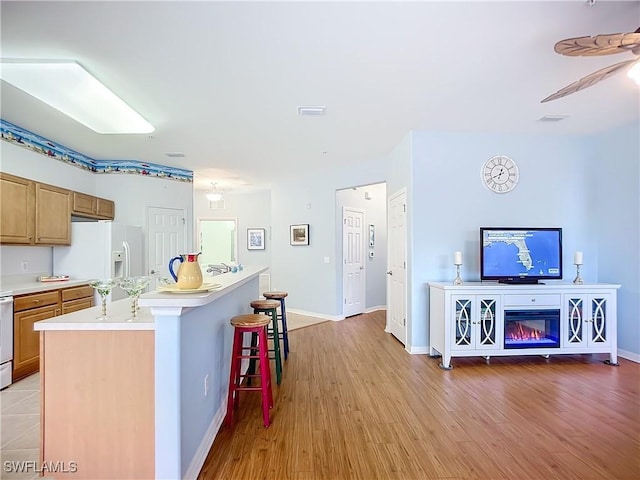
[353, 404]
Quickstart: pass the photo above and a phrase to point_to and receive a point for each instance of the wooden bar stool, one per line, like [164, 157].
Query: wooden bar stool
[284, 332]
[269, 307]
[255, 325]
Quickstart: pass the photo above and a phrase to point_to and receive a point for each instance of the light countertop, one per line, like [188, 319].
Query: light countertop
[118, 318]
[152, 305]
[24, 284]
[227, 281]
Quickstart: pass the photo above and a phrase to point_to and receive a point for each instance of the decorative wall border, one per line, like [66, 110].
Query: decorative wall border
[24, 138]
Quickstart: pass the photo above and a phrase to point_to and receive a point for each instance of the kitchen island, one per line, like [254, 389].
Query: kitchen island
[145, 398]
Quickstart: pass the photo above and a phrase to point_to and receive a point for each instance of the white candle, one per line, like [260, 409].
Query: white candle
[577, 258]
[457, 258]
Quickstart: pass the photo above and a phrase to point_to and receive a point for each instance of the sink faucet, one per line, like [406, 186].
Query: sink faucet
[218, 269]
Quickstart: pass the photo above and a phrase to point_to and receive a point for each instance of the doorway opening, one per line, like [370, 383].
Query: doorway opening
[361, 243]
[218, 241]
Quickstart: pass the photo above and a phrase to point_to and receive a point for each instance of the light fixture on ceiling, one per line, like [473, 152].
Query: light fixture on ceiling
[214, 195]
[634, 73]
[68, 87]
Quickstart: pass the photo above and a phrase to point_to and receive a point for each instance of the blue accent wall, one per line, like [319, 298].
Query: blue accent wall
[450, 204]
[615, 193]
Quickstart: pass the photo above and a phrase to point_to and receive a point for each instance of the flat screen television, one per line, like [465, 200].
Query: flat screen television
[520, 255]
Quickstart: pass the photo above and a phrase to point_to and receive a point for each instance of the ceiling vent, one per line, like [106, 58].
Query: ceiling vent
[553, 118]
[174, 154]
[312, 111]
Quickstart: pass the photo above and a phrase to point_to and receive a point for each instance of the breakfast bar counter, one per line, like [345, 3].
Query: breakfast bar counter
[140, 398]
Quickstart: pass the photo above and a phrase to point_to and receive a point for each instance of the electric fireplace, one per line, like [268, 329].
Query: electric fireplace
[532, 328]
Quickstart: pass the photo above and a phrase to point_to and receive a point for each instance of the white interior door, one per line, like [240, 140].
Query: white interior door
[353, 278]
[397, 262]
[167, 233]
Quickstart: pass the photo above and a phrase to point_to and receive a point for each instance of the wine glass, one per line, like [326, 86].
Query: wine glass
[134, 287]
[103, 287]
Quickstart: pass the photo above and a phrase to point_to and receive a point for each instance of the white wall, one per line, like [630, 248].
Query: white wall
[616, 217]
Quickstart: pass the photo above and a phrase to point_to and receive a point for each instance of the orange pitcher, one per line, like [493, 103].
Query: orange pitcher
[189, 275]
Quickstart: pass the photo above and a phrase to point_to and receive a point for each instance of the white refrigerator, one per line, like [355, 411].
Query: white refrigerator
[101, 250]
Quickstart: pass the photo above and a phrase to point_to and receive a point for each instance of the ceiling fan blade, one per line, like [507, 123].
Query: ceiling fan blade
[599, 45]
[590, 80]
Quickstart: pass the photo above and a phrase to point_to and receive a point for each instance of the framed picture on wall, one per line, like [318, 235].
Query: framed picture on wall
[255, 238]
[299, 234]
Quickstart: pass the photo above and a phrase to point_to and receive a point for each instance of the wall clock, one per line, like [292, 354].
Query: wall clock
[500, 174]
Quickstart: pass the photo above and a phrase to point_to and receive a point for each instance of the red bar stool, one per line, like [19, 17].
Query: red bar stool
[254, 324]
[269, 307]
[283, 332]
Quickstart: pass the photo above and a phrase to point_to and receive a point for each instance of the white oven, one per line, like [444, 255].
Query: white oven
[6, 338]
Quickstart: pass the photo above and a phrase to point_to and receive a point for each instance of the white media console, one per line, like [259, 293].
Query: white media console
[492, 319]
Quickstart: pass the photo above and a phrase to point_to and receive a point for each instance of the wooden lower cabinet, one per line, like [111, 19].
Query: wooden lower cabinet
[26, 346]
[76, 298]
[75, 305]
[31, 308]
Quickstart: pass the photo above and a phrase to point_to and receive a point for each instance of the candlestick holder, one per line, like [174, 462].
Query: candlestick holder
[578, 280]
[457, 280]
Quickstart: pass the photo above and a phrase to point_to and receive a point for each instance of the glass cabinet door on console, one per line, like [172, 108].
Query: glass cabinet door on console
[476, 326]
[586, 323]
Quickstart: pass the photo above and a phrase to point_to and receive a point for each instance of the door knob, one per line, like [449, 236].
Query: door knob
[389, 272]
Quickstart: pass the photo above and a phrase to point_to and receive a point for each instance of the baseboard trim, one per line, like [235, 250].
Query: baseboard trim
[417, 350]
[375, 309]
[335, 318]
[634, 357]
[205, 445]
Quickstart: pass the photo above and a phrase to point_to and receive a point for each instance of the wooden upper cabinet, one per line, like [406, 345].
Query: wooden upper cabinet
[17, 210]
[34, 213]
[106, 209]
[53, 215]
[84, 205]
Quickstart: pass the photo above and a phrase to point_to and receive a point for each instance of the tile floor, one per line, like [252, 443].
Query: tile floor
[20, 427]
